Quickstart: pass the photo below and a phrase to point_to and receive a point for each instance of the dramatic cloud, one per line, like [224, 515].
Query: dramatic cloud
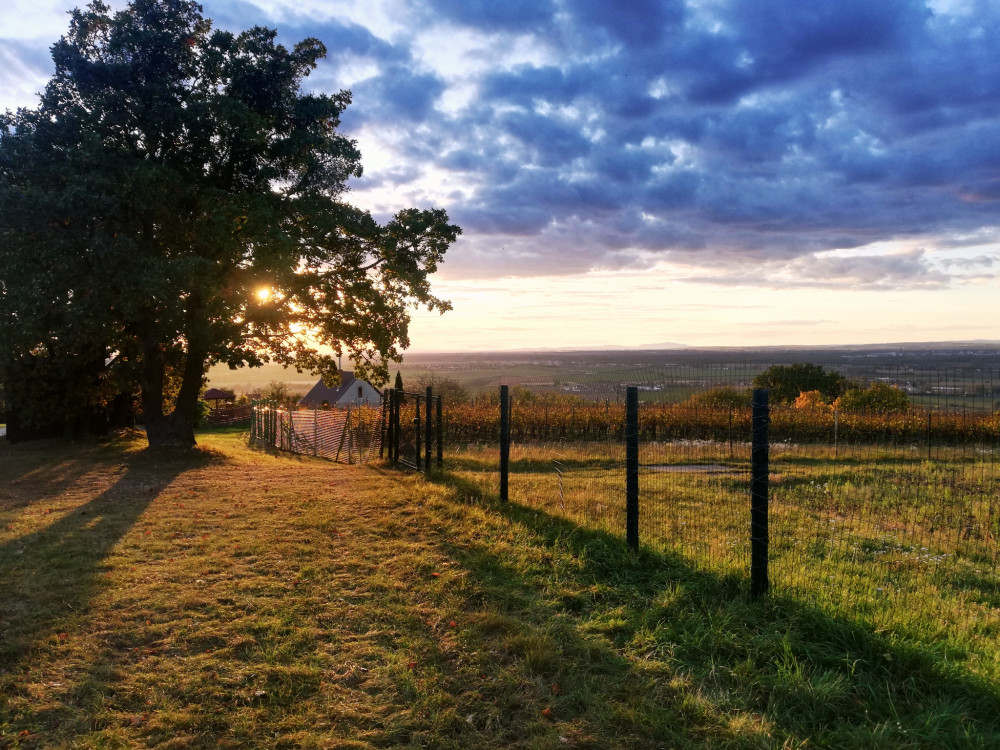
[718, 136]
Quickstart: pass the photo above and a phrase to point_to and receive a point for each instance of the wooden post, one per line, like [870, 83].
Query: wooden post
[343, 430]
[350, 436]
[504, 441]
[632, 467]
[759, 494]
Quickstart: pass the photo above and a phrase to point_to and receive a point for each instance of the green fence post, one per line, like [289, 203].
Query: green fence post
[428, 436]
[759, 494]
[440, 434]
[632, 467]
[504, 441]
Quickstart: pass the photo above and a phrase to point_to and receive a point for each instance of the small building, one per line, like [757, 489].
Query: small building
[350, 392]
[215, 395]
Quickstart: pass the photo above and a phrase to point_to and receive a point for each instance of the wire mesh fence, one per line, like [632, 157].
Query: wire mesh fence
[349, 435]
[884, 480]
[229, 416]
[414, 429]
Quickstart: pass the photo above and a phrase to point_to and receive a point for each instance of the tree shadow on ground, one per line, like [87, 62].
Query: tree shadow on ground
[48, 467]
[800, 674]
[48, 577]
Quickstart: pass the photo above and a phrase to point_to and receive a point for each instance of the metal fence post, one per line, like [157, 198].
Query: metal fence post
[759, 493]
[385, 425]
[416, 432]
[428, 437]
[504, 441]
[397, 405]
[632, 467]
[440, 433]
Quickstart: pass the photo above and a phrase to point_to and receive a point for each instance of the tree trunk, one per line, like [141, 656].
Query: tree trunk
[162, 430]
[176, 430]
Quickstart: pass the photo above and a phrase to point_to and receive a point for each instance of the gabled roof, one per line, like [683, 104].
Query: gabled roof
[218, 393]
[322, 392]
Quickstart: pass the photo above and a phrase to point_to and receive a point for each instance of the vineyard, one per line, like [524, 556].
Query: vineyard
[581, 420]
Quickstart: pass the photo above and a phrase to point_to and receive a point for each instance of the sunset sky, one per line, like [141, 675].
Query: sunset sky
[709, 172]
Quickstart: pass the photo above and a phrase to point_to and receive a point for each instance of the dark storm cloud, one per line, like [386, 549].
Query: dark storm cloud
[398, 95]
[771, 129]
[578, 134]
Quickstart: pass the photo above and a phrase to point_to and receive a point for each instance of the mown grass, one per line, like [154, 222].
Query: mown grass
[236, 598]
[882, 538]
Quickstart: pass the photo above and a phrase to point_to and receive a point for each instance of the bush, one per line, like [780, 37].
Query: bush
[786, 382]
[879, 398]
[278, 392]
[724, 397]
[449, 389]
[811, 401]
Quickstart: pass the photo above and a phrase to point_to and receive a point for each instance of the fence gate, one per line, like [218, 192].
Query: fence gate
[414, 429]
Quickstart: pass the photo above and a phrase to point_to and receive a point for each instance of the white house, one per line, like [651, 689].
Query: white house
[351, 391]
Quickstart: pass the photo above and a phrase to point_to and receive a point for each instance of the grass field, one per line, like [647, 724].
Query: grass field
[228, 597]
[873, 533]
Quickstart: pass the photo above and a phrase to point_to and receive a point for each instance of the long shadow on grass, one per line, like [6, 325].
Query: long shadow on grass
[808, 676]
[51, 575]
[48, 467]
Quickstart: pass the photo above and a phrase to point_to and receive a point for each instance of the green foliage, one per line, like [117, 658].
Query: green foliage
[170, 174]
[786, 382]
[279, 393]
[722, 397]
[878, 398]
[203, 408]
[449, 389]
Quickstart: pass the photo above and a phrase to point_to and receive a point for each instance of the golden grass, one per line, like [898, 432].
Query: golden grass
[226, 597]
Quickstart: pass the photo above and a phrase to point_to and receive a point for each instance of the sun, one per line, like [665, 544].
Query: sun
[263, 294]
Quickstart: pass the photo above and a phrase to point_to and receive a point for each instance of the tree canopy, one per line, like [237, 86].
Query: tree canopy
[176, 201]
[786, 382]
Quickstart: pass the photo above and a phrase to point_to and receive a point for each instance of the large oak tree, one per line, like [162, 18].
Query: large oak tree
[176, 201]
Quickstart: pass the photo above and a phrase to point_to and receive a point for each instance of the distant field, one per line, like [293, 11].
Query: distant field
[929, 373]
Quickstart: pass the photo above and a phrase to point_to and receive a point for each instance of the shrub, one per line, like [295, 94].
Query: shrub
[786, 382]
[724, 397]
[811, 401]
[878, 398]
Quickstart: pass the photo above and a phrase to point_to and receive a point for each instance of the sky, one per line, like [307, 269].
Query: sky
[701, 172]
